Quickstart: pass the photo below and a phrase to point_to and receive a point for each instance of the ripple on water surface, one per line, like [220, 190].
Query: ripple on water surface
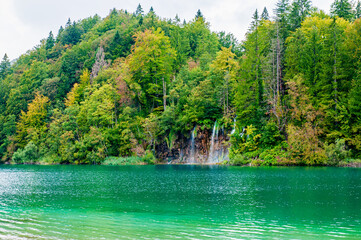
[189, 202]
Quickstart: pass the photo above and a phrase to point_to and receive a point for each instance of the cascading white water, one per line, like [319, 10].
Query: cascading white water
[211, 157]
[242, 133]
[234, 126]
[192, 157]
[217, 131]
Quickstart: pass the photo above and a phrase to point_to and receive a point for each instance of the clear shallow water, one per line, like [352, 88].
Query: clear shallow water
[207, 202]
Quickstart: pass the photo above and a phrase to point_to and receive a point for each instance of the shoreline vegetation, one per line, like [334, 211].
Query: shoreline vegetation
[137, 161]
[150, 160]
[134, 88]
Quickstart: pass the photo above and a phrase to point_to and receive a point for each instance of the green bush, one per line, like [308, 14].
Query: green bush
[239, 160]
[271, 136]
[148, 158]
[274, 156]
[113, 161]
[337, 152]
[29, 154]
[50, 159]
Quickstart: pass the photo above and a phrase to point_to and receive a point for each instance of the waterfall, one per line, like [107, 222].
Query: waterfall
[217, 131]
[211, 149]
[234, 126]
[193, 148]
[242, 133]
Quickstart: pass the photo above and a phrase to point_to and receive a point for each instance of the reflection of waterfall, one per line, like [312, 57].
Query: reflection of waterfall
[193, 148]
[234, 126]
[211, 157]
[181, 155]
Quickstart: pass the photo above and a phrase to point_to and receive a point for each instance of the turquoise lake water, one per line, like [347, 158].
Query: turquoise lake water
[178, 201]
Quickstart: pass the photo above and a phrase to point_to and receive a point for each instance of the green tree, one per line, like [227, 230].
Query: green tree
[300, 9]
[4, 66]
[203, 43]
[265, 15]
[199, 15]
[98, 109]
[304, 129]
[249, 97]
[282, 11]
[229, 41]
[139, 11]
[72, 33]
[180, 42]
[355, 114]
[358, 10]
[342, 9]
[316, 50]
[32, 123]
[50, 42]
[225, 68]
[151, 65]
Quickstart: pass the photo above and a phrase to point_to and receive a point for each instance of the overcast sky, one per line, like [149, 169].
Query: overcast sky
[23, 23]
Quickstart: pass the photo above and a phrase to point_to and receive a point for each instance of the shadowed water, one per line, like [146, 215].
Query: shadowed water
[207, 202]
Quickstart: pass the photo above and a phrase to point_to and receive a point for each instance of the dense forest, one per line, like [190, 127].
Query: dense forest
[136, 88]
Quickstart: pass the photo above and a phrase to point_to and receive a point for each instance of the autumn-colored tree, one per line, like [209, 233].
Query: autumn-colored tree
[226, 69]
[151, 67]
[33, 122]
[304, 128]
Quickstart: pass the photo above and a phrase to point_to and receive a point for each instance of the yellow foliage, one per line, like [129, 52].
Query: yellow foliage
[303, 130]
[225, 62]
[32, 123]
[71, 96]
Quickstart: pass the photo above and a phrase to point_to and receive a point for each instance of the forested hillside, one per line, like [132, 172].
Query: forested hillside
[150, 89]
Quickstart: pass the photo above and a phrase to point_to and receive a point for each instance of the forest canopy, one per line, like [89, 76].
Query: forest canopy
[136, 85]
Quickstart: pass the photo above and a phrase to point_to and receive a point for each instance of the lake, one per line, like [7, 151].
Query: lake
[178, 201]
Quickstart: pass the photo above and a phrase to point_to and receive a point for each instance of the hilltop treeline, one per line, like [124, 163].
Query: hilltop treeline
[122, 85]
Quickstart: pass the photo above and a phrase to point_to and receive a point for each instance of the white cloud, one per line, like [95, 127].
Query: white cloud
[13, 31]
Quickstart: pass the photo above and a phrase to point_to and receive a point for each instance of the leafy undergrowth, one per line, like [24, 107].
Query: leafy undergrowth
[350, 163]
[133, 160]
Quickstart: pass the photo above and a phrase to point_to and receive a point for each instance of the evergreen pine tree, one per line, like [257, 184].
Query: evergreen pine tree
[282, 8]
[115, 46]
[199, 14]
[113, 12]
[50, 41]
[265, 15]
[342, 9]
[176, 19]
[140, 22]
[358, 10]
[58, 37]
[68, 23]
[4, 66]
[282, 12]
[300, 9]
[304, 8]
[139, 11]
[151, 19]
[258, 78]
[255, 21]
[72, 34]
